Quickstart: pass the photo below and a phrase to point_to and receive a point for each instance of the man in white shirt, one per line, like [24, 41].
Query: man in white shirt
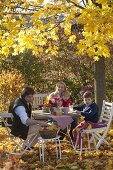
[23, 126]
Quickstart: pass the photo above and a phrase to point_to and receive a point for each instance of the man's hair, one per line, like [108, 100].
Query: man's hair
[27, 91]
[87, 94]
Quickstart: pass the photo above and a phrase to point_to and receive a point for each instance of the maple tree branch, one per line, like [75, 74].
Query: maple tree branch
[84, 3]
[96, 4]
[56, 25]
[77, 5]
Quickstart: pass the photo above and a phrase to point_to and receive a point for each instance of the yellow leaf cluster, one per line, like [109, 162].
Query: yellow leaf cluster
[98, 30]
[102, 1]
[72, 39]
[32, 24]
[67, 29]
[26, 5]
[11, 84]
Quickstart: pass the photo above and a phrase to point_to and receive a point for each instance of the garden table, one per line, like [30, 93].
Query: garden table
[63, 121]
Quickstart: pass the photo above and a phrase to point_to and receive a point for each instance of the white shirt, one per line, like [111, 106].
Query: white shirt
[21, 112]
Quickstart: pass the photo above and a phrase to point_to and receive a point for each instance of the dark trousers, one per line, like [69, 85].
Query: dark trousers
[73, 125]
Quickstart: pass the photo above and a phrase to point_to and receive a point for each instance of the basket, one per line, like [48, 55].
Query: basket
[48, 134]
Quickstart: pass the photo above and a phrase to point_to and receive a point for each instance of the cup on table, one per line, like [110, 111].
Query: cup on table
[71, 108]
[65, 110]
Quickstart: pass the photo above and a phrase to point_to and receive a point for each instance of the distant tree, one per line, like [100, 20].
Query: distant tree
[11, 84]
[37, 26]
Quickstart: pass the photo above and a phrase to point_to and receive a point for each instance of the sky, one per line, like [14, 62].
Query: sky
[46, 1]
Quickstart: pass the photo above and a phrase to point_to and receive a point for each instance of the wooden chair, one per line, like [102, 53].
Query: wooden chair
[39, 99]
[97, 135]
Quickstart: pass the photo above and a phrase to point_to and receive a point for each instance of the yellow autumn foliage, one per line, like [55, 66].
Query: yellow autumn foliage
[111, 132]
[11, 84]
[101, 159]
[33, 24]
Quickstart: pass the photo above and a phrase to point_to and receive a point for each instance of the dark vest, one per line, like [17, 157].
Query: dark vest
[18, 129]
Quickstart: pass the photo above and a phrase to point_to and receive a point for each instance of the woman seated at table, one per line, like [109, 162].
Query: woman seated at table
[55, 98]
[60, 97]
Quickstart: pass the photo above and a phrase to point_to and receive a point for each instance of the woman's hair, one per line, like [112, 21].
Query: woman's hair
[66, 93]
[61, 82]
[87, 94]
[27, 91]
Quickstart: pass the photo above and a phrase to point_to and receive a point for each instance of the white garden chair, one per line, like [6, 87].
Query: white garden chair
[39, 99]
[42, 143]
[18, 149]
[6, 119]
[97, 135]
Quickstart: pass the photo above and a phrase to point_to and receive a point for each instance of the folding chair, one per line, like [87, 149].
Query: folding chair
[39, 100]
[67, 135]
[6, 118]
[42, 143]
[19, 143]
[97, 135]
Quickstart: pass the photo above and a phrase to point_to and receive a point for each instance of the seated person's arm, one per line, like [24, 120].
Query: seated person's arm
[51, 98]
[90, 112]
[79, 108]
[33, 122]
[20, 111]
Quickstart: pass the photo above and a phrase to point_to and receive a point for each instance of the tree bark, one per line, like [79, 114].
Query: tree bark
[99, 82]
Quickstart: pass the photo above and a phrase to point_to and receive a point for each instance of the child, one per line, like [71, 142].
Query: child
[89, 110]
[66, 102]
[66, 99]
[60, 89]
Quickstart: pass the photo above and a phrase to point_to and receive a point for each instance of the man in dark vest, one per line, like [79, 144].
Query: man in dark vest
[23, 126]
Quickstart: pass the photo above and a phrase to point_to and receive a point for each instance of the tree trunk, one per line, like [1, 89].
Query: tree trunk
[99, 81]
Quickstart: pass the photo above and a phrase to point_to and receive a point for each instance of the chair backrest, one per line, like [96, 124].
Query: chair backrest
[106, 113]
[7, 120]
[39, 99]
